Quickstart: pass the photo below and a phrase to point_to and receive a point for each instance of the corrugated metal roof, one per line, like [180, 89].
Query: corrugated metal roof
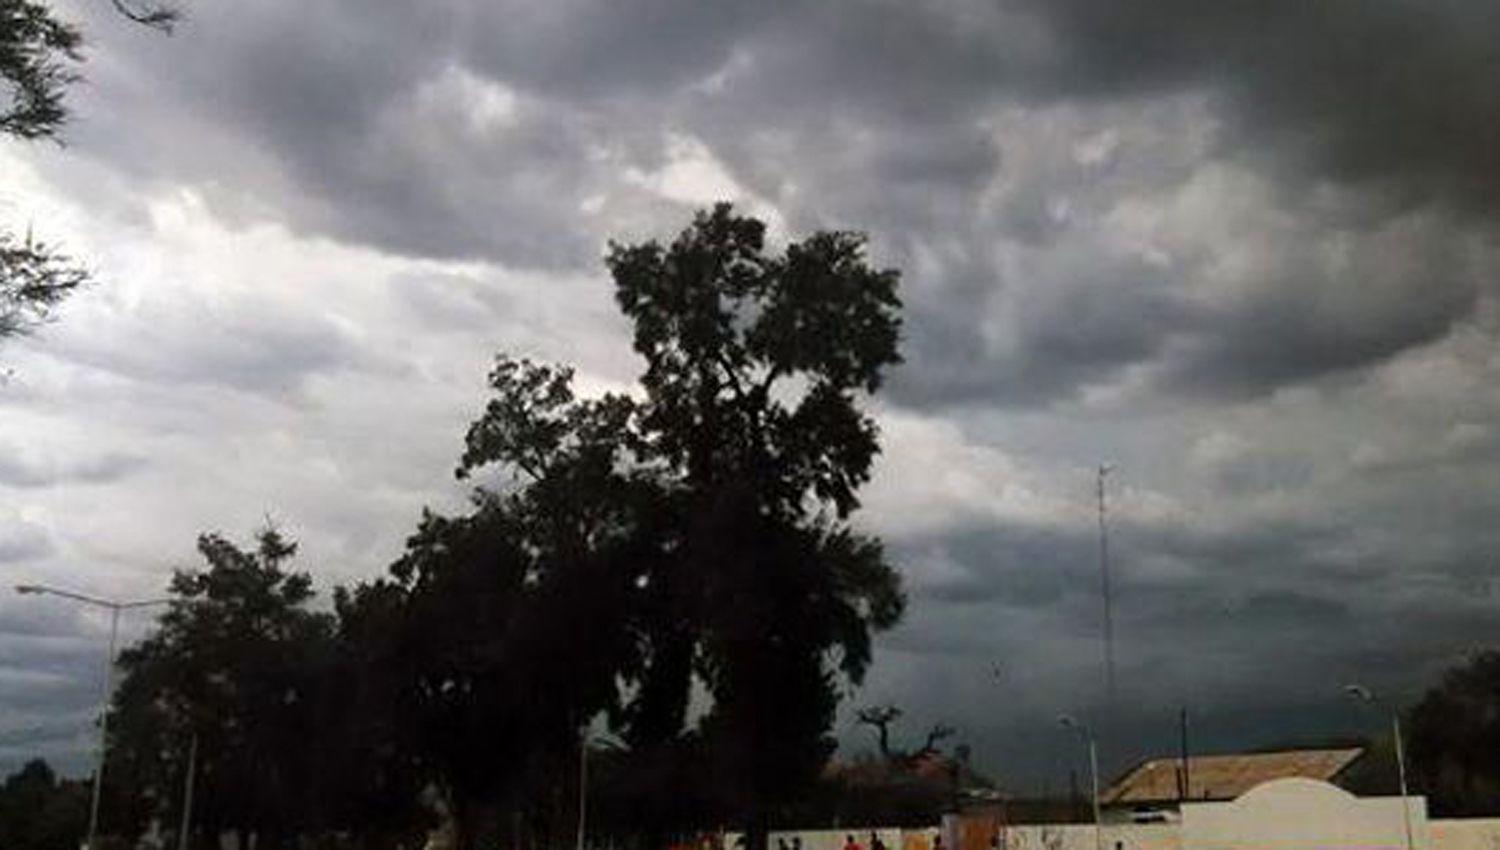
[1224, 777]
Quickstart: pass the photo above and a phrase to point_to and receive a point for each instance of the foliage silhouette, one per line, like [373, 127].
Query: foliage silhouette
[39, 54]
[39, 812]
[618, 552]
[695, 531]
[1453, 739]
[240, 661]
[755, 367]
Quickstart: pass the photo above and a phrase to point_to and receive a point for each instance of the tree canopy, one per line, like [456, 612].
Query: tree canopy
[694, 531]
[238, 661]
[40, 812]
[1453, 738]
[621, 553]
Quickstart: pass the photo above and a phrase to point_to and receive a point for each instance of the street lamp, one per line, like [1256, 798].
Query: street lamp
[583, 780]
[1365, 695]
[1067, 721]
[114, 606]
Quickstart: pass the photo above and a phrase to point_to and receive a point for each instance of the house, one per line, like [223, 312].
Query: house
[1153, 791]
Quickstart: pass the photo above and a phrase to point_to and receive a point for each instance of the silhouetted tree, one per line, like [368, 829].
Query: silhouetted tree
[510, 626]
[238, 660]
[756, 364]
[1453, 738]
[371, 782]
[938, 732]
[37, 812]
[880, 718]
[698, 530]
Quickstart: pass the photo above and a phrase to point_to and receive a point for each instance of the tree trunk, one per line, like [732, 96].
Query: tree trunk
[757, 835]
[478, 826]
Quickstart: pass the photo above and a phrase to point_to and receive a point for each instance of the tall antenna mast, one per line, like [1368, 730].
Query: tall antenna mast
[1109, 622]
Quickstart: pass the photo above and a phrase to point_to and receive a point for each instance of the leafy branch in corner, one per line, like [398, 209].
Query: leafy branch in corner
[33, 280]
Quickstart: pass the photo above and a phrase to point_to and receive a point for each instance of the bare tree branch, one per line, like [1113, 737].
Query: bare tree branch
[157, 15]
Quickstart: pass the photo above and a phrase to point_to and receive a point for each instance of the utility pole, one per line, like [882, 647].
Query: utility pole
[1069, 722]
[1107, 716]
[583, 781]
[187, 797]
[1365, 695]
[1187, 775]
[1109, 621]
[114, 606]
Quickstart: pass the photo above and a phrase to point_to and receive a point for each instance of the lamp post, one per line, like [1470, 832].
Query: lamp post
[185, 831]
[1069, 722]
[1365, 695]
[583, 781]
[114, 606]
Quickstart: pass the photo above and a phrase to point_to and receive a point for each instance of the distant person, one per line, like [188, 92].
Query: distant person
[850, 843]
[781, 844]
[875, 842]
[937, 842]
[796, 842]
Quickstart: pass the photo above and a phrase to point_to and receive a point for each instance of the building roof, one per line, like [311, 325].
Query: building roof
[1224, 777]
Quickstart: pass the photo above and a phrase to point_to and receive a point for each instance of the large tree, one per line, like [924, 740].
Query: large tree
[757, 364]
[622, 547]
[507, 629]
[749, 428]
[241, 662]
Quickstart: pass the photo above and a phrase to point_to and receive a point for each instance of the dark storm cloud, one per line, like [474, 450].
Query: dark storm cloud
[1307, 99]
[1402, 96]
[882, 116]
[1080, 318]
[1335, 303]
[380, 134]
[269, 348]
[1253, 625]
[51, 668]
[1202, 203]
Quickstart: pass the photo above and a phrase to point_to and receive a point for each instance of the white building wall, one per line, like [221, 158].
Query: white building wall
[1083, 837]
[1466, 834]
[1303, 814]
[1287, 814]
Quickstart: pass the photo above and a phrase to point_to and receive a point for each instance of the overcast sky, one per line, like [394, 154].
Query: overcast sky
[1243, 251]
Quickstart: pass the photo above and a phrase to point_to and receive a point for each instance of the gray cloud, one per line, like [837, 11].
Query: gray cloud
[1255, 635]
[1247, 252]
[996, 140]
[1392, 95]
[22, 541]
[23, 467]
